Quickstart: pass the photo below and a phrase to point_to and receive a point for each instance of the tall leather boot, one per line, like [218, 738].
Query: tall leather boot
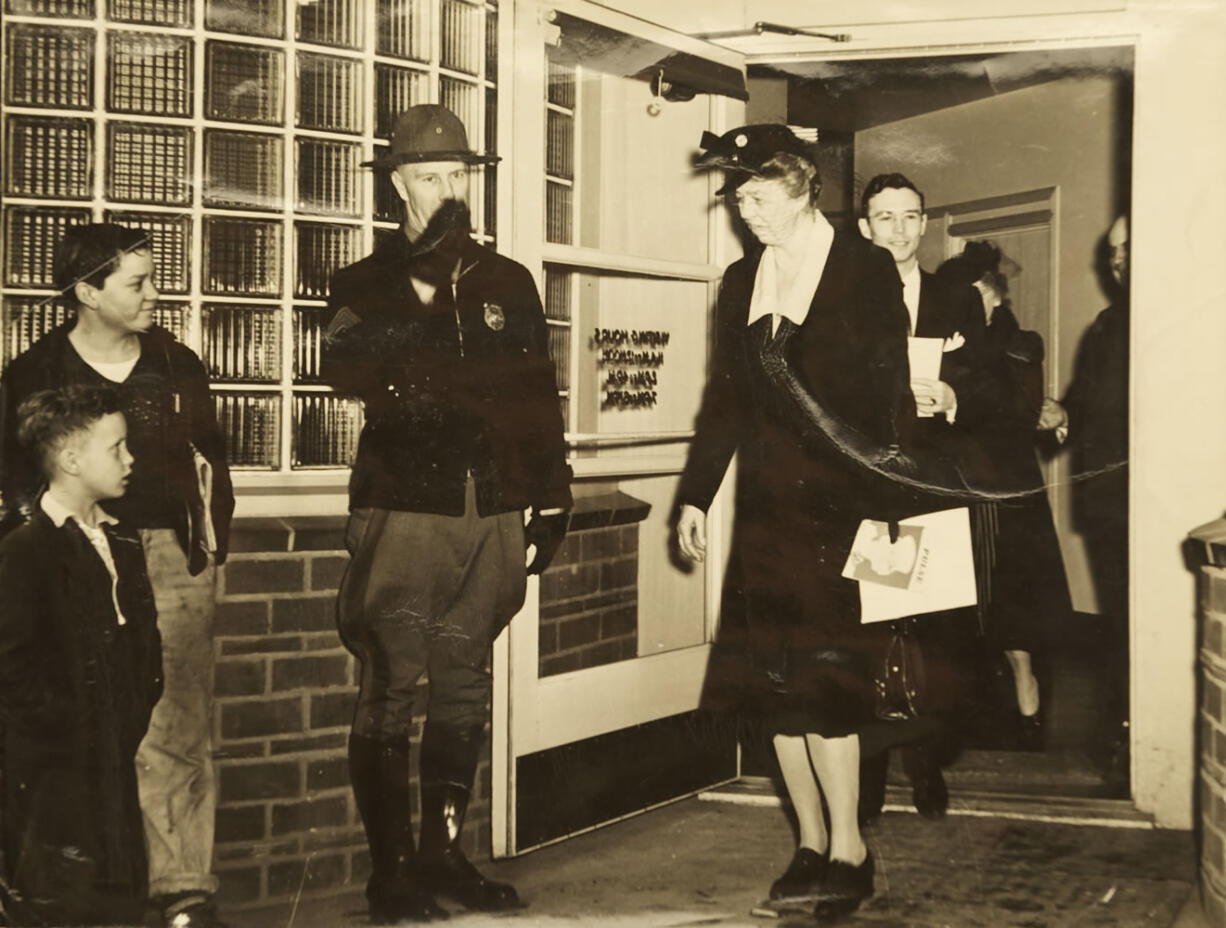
[379, 772]
[445, 869]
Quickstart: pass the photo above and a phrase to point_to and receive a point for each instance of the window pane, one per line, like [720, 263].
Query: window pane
[149, 163]
[490, 172]
[309, 325]
[396, 89]
[147, 73]
[244, 83]
[462, 99]
[387, 202]
[329, 93]
[171, 239]
[328, 177]
[153, 12]
[79, 9]
[559, 350]
[557, 213]
[30, 236]
[248, 17]
[173, 317]
[36, 141]
[560, 144]
[50, 66]
[330, 22]
[242, 256]
[322, 250]
[29, 318]
[251, 424]
[242, 169]
[327, 429]
[404, 29]
[490, 178]
[241, 342]
[460, 38]
[491, 44]
[560, 89]
[557, 294]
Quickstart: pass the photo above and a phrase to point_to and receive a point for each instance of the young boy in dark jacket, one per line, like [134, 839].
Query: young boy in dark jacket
[80, 672]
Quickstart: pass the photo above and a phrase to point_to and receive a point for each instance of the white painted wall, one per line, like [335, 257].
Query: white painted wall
[1179, 380]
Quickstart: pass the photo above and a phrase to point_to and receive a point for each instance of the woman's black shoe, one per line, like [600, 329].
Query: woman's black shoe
[928, 789]
[1030, 732]
[802, 878]
[843, 888]
[873, 773]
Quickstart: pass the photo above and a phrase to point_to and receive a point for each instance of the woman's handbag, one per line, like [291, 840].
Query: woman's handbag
[900, 683]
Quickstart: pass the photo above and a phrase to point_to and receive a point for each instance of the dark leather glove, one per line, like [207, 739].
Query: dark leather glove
[433, 256]
[546, 532]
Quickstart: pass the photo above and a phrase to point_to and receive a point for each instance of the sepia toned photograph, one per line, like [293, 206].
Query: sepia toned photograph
[557, 462]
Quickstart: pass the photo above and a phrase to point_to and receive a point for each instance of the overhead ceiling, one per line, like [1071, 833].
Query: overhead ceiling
[847, 96]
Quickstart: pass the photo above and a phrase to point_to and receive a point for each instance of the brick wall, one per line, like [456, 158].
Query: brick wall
[1212, 734]
[589, 594]
[284, 686]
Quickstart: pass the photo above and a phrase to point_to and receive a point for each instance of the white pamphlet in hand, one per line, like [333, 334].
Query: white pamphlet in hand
[204, 478]
[941, 574]
[924, 356]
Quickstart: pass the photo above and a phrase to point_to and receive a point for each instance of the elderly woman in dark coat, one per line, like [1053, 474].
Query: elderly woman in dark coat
[827, 308]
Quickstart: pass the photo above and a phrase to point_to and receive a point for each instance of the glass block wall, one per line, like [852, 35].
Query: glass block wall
[232, 131]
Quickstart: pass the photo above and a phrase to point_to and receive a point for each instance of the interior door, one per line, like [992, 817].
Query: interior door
[599, 679]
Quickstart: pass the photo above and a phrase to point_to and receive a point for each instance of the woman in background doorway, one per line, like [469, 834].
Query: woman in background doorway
[1022, 585]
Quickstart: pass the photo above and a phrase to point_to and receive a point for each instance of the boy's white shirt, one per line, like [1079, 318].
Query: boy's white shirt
[58, 513]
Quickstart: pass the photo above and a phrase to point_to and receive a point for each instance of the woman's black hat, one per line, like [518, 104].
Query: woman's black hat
[742, 152]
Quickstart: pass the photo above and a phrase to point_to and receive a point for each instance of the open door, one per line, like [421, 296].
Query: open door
[598, 680]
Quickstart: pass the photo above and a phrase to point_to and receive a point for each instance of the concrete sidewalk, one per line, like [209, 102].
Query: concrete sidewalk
[701, 862]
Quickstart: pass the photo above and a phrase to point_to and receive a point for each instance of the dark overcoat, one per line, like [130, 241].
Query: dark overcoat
[799, 502]
[1025, 593]
[76, 692]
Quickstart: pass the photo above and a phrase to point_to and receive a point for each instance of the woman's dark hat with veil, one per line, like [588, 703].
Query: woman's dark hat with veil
[742, 152]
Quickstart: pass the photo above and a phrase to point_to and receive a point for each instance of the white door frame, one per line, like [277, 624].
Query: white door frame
[531, 713]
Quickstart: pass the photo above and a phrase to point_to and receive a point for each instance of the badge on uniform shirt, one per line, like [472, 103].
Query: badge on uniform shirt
[495, 318]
